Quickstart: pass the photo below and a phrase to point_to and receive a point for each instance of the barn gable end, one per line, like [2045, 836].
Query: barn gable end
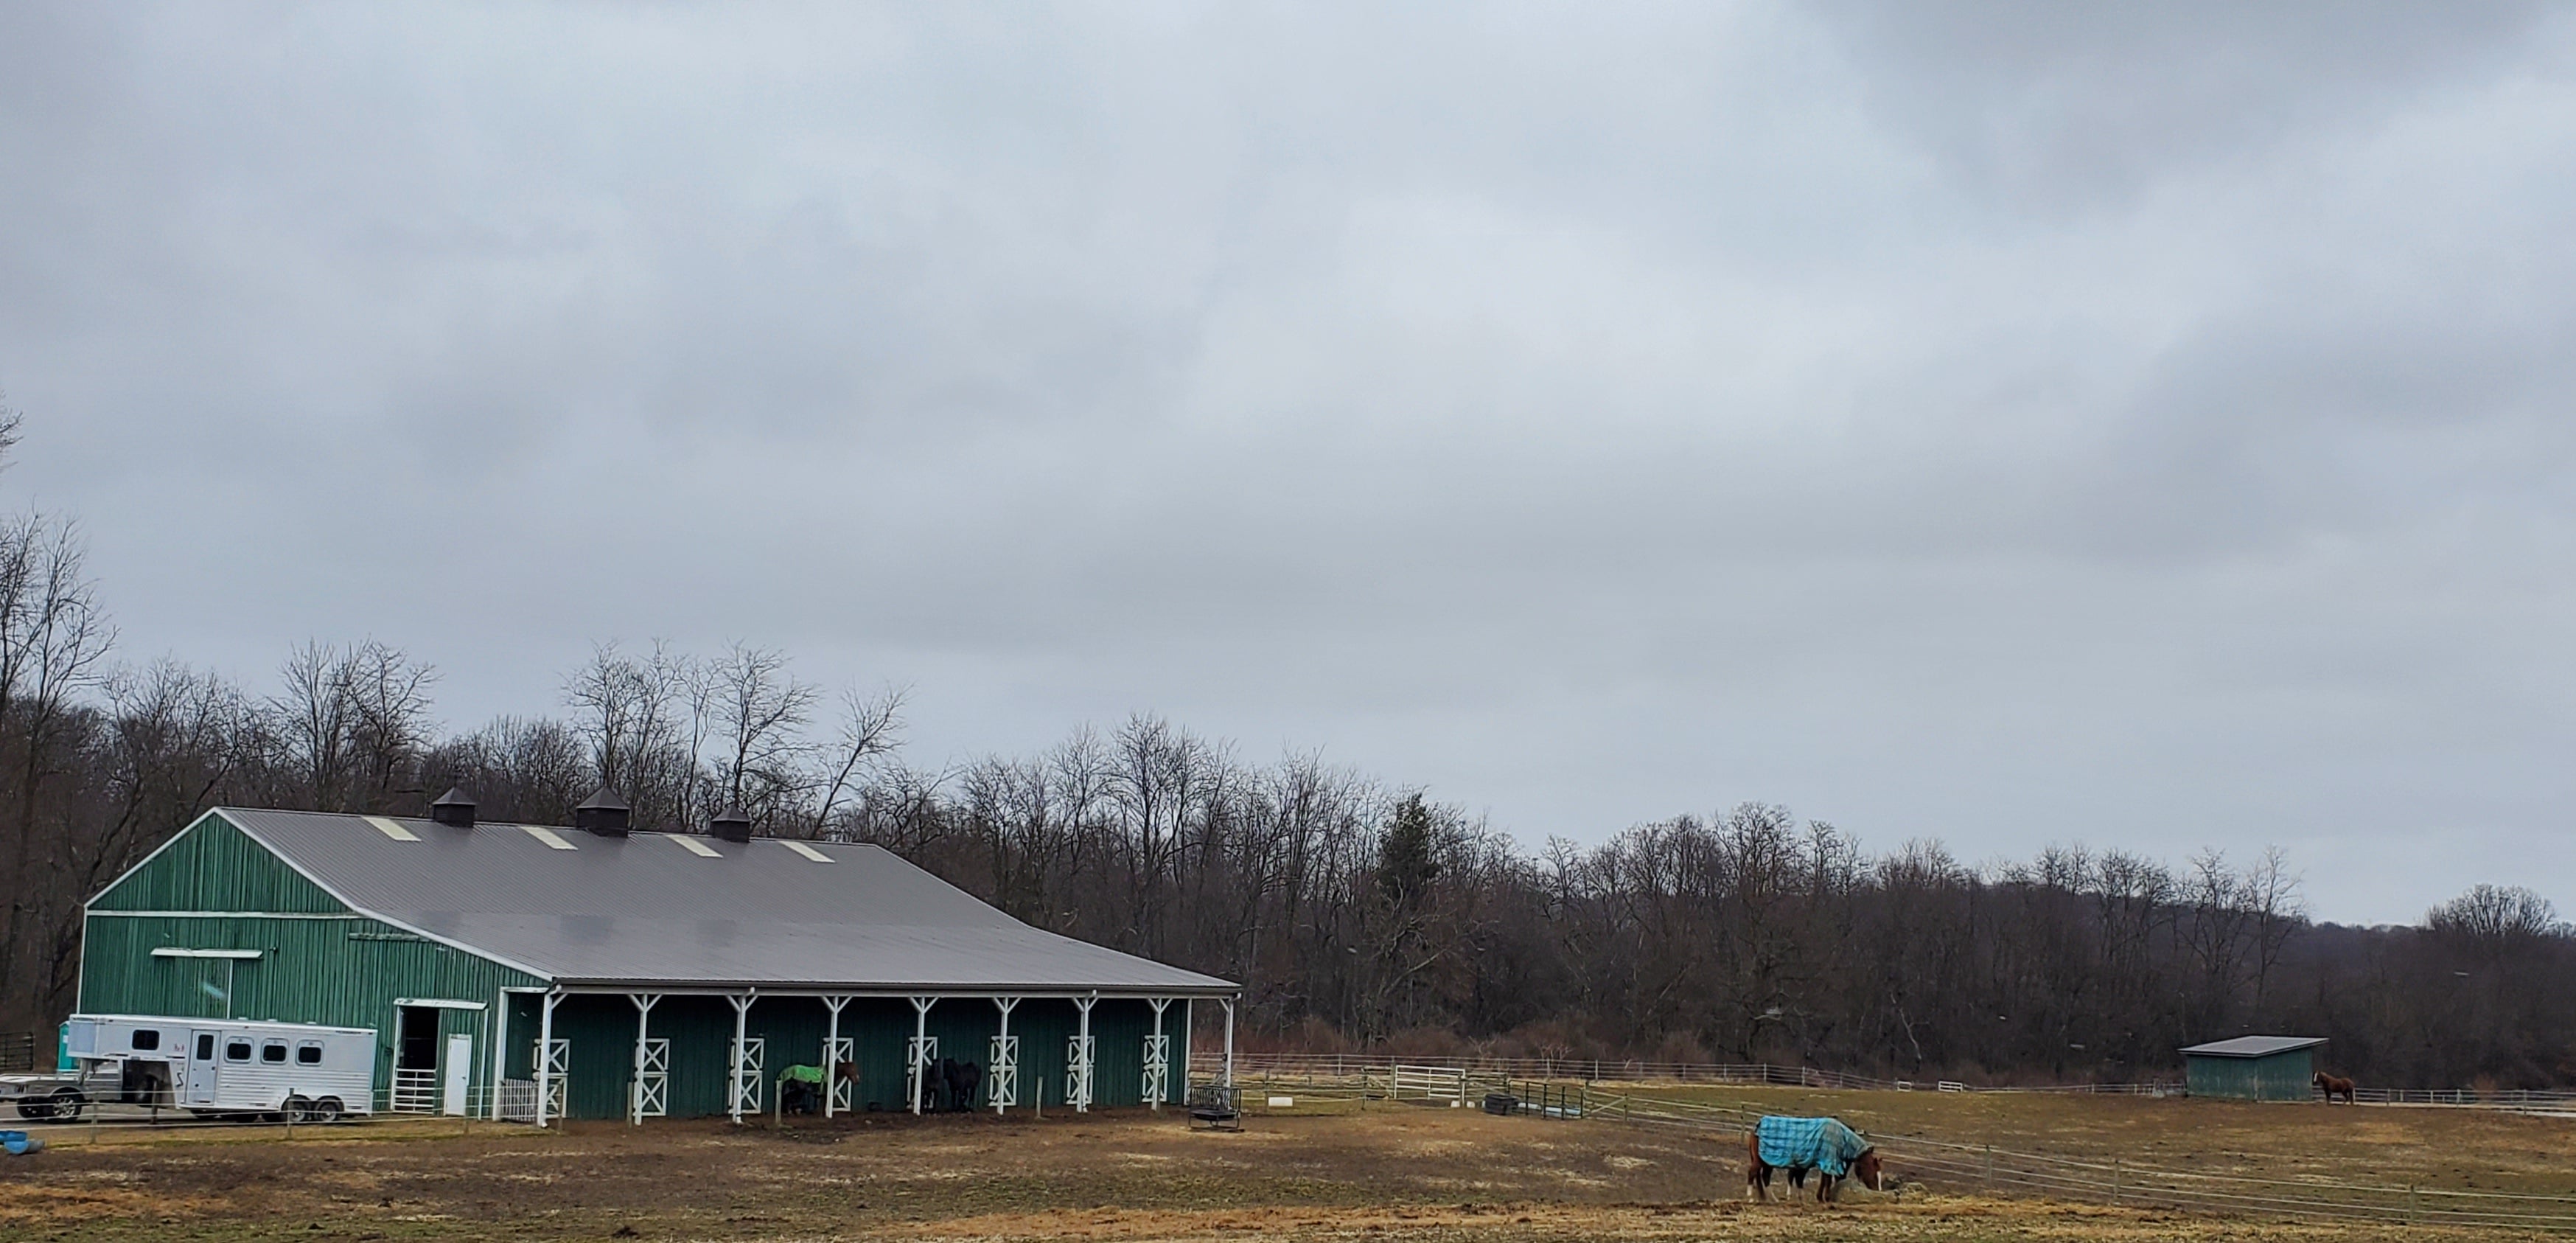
[212, 866]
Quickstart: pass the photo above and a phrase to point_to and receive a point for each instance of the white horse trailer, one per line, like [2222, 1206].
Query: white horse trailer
[231, 1066]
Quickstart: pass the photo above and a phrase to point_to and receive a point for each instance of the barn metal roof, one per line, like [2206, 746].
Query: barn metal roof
[686, 911]
[2253, 1046]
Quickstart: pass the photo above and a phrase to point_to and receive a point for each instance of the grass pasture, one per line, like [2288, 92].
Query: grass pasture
[2436, 1147]
[1311, 1173]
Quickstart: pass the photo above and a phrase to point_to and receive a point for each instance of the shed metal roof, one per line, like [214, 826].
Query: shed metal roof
[2253, 1046]
[685, 911]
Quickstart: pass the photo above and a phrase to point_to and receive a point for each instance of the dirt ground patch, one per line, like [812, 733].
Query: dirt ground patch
[1391, 1174]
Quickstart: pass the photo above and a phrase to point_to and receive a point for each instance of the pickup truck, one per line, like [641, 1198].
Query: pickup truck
[60, 1097]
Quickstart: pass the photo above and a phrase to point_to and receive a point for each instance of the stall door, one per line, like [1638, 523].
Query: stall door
[459, 1071]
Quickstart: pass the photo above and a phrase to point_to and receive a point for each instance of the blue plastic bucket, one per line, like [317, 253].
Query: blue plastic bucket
[19, 1143]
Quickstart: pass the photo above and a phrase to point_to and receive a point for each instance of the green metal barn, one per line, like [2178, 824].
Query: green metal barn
[2252, 1068]
[534, 972]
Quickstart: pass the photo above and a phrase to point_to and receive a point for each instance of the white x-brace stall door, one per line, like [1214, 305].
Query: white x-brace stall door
[653, 1079]
[1003, 1079]
[745, 1094]
[845, 1051]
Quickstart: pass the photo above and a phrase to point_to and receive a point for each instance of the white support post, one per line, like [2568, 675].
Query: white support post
[918, 1055]
[500, 1052]
[1078, 1068]
[644, 1003]
[545, 1047]
[1229, 1041]
[734, 1065]
[1158, 1059]
[1006, 1059]
[832, 1055]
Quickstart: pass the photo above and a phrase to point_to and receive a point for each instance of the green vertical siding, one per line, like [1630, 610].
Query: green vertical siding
[346, 971]
[2280, 1077]
[700, 1029]
[213, 866]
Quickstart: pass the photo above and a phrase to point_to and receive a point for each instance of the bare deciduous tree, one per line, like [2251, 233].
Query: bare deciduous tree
[759, 712]
[54, 640]
[871, 730]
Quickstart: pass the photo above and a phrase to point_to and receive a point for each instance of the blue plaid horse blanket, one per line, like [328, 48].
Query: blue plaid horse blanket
[1814, 1143]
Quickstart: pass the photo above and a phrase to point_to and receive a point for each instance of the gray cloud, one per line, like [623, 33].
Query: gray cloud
[2004, 424]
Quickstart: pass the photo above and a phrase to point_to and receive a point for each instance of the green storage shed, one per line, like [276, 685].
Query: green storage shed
[2252, 1068]
[533, 972]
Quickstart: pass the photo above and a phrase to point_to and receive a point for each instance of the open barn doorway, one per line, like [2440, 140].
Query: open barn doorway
[415, 1060]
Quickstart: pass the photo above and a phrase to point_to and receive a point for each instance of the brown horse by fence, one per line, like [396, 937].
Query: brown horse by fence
[2334, 1086]
[1865, 1169]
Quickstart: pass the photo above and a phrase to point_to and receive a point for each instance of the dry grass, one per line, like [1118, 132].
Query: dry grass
[2441, 1148]
[1389, 1174]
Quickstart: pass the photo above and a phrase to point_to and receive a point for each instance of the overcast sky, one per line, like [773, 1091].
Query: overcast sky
[2139, 425]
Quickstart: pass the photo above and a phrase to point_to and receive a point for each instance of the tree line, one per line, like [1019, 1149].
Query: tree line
[1355, 912]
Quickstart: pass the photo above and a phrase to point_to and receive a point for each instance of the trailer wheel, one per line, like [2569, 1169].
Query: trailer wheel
[327, 1109]
[68, 1104]
[298, 1109]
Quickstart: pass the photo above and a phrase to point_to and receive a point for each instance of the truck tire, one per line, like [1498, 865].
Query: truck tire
[35, 1111]
[68, 1104]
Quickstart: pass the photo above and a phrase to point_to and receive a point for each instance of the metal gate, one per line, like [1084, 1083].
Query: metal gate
[1002, 1086]
[518, 1100]
[415, 1090]
[744, 1094]
[1157, 1081]
[845, 1051]
[1077, 1071]
[1445, 1084]
[652, 1093]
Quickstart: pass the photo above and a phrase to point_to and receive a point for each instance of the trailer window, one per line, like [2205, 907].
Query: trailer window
[146, 1039]
[273, 1051]
[206, 1047]
[309, 1053]
[236, 1050]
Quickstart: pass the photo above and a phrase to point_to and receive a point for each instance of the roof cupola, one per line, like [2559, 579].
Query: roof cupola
[733, 824]
[604, 813]
[453, 809]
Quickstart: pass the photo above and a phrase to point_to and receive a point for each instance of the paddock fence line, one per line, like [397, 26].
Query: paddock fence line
[1956, 1167]
[1319, 1067]
[1322, 1066]
[105, 1114]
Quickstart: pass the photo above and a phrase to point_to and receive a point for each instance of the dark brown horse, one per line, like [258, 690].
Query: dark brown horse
[2334, 1086]
[1865, 1170]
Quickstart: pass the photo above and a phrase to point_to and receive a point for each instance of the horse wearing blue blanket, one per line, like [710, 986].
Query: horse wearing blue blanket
[1832, 1150]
